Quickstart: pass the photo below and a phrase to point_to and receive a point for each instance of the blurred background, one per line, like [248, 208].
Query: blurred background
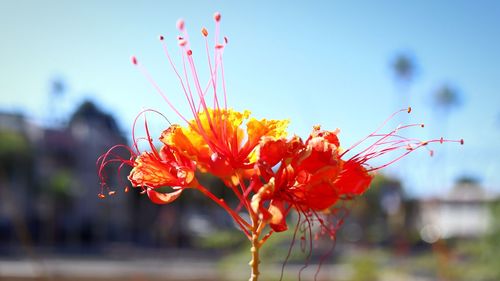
[69, 92]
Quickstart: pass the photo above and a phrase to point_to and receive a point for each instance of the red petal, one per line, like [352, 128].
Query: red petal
[321, 196]
[354, 179]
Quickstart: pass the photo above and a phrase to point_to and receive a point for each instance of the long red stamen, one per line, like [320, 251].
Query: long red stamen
[157, 88]
[390, 142]
[244, 225]
[213, 73]
[407, 110]
[186, 93]
[111, 157]
[134, 139]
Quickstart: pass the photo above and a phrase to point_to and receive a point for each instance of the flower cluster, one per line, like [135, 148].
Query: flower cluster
[269, 173]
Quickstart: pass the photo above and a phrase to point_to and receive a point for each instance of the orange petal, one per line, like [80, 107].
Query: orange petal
[151, 171]
[256, 129]
[163, 198]
[278, 220]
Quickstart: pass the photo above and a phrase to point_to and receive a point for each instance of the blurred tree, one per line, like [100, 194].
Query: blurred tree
[57, 90]
[404, 70]
[478, 258]
[17, 188]
[14, 147]
[447, 98]
[57, 87]
[89, 113]
[469, 180]
[384, 214]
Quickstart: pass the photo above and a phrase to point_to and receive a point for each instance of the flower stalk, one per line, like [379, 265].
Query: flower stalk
[254, 250]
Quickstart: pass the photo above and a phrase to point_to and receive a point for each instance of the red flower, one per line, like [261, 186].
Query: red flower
[168, 168]
[312, 175]
[269, 174]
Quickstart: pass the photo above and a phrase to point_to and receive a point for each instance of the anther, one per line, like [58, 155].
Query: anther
[422, 125]
[204, 32]
[100, 195]
[134, 60]
[219, 46]
[217, 16]
[441, 140]
[180, 24]
[161, 37]
[112, 192]
[226, 40]
[126, 189]
[189, 52]
[409, 109]
[462, 141]
[182, 42]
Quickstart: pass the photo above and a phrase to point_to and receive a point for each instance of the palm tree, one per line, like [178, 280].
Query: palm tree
[57, 90]
[404, 70]
[446, 98]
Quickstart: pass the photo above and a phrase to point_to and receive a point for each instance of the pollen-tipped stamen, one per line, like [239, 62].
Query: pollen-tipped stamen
[407, 110]
[187, 91]
[134, 125]
[110, 157]
[148, 76]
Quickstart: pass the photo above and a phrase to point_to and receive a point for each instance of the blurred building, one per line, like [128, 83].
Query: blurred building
[463, 213]
[386, 216]
[48, 182]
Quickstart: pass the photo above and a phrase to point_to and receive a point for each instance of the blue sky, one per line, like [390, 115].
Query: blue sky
[315, 62]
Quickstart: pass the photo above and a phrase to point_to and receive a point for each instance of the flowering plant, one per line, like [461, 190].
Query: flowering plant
[270, 175]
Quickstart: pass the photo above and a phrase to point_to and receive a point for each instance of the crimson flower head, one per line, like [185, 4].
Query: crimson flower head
[314, 175]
